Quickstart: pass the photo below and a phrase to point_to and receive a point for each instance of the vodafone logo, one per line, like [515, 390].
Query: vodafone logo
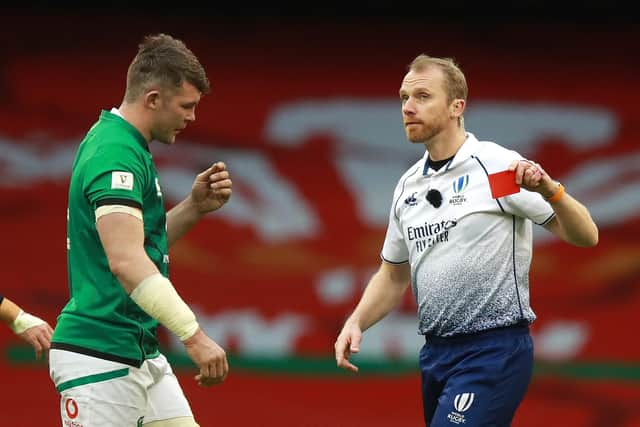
[71, 407]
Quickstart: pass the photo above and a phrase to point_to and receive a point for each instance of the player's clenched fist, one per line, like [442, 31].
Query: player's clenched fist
[212, 188]
[209, 357]
[532, 177]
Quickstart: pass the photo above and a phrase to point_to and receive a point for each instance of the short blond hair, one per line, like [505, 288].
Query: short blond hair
[455, 82]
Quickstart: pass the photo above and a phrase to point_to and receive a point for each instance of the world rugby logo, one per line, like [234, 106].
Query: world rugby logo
[460, 184]
[463, 401]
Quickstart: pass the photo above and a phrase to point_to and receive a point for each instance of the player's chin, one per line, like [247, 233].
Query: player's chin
[166, 140]
[414, 137]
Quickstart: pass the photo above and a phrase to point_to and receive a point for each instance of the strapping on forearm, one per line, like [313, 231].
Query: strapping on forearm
[159, 299]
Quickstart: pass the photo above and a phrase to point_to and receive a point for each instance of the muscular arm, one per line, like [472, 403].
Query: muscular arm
[383, 293]
[210, 191]
[180, 219]
[122, 236]
[573, 223]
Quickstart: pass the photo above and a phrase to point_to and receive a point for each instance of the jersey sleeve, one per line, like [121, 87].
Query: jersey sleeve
[527, 204]
[394, 248]
[115, 175]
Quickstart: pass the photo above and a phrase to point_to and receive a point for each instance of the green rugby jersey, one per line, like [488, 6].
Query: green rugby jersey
[113, 165]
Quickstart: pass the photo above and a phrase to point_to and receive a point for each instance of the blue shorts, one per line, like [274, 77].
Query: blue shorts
[476, 380]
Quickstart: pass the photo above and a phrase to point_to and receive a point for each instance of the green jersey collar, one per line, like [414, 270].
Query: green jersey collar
[108, 116]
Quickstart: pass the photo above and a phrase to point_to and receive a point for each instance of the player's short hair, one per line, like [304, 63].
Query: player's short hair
[455, 82]
[165, 62]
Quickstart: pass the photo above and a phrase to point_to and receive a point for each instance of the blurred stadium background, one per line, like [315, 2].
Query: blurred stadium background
[304, 111]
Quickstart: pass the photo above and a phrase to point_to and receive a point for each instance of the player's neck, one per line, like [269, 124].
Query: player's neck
[134, 114]
[446, 144]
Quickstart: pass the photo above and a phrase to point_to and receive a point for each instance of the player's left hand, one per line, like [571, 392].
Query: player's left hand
[532, 177]
[347, 344]
[211, 188]
[39, 337]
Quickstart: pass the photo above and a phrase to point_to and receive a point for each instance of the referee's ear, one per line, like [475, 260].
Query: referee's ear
[456, 108]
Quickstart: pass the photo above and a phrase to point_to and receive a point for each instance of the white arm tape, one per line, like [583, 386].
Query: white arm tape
[107, 209]
[159, 299]
[25, 321]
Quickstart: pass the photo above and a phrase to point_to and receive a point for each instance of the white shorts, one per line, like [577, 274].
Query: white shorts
[100, 393]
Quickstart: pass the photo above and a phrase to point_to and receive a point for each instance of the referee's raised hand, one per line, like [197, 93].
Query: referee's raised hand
[348, 343]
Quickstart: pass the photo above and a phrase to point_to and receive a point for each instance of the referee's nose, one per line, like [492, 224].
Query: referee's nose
[408, 108]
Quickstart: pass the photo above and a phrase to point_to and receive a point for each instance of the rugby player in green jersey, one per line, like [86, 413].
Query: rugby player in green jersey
[104, 358]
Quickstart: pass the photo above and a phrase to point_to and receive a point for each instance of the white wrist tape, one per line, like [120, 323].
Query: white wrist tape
[25, 321]
[158, 298]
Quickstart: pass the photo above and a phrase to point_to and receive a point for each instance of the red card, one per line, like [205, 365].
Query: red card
[503, 183]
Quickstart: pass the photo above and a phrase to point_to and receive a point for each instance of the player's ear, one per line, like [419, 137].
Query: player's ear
[456, 108]
[152, 99]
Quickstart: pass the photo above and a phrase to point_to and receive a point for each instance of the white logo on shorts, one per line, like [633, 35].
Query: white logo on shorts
[463, 401]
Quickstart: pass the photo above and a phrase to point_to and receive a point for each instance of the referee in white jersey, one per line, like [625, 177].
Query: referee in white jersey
[460, 232]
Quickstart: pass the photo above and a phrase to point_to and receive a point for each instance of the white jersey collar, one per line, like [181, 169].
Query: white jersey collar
[117, 112]
[466, 150]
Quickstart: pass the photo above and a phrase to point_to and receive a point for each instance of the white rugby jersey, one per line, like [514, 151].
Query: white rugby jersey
[470, 257]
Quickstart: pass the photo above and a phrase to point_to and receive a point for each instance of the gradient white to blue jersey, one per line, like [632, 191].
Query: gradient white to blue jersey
[470, 254]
